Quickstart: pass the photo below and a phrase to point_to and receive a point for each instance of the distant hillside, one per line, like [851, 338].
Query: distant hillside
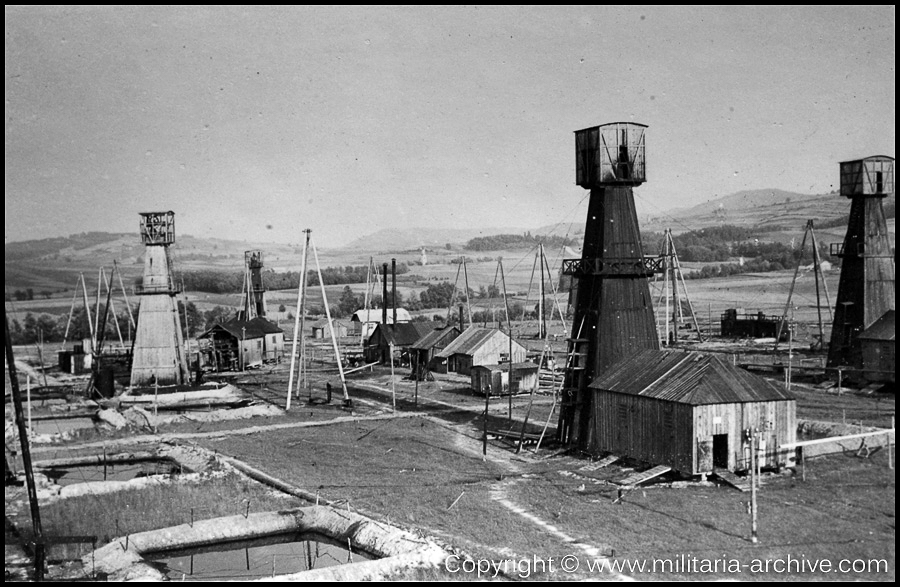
[407, 238]
[764, 210]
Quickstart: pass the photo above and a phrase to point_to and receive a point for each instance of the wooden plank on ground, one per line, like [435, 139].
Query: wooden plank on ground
[644, 476]
[604, 462]
[739, 483]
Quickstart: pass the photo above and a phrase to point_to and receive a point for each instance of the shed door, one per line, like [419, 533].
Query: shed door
[705, 455]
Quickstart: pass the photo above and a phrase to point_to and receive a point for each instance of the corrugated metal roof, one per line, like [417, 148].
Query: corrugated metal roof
[687, 377]
[881, 329]
[436, 336]
[469, 341]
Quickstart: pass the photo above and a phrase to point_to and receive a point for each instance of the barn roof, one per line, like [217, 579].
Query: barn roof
[374, 315]
[429, 339]
[687, 377]
[881, 329]
[255, 328]
[469, 341]
[402, 333]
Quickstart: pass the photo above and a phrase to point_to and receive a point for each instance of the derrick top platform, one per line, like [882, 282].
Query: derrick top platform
[611, 154]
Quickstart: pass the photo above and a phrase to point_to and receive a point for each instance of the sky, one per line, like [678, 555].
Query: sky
[253, 123]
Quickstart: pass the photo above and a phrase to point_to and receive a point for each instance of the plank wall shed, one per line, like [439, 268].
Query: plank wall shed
[477, 346]
[239, 344]
[363, 322]
[423, 350]
[495, 379]
[879, 349]
[689, 411]
[319, 329]
[401, 335]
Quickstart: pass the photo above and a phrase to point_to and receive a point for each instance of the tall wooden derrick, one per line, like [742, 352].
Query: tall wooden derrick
[158, 344]
[613, 310]
[255, 302]
[866, 288]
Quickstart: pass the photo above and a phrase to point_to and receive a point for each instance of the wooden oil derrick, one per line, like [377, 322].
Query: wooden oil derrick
[613, 310]
[158, 344]
[255, 299]
[866, 288]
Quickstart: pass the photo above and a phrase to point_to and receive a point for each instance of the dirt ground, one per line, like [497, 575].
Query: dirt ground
[425, 470]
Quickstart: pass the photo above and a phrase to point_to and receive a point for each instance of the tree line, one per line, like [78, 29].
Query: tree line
[499, 242]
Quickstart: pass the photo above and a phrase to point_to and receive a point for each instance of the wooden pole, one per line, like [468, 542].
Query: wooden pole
[416, 397]
[37, 531]
[87, 308]
[666, 288]
[890, 453]
[753, 482]
[509, 327]
[784, 315]
[28, 392]
[300, 289]
[816, 260]
[71, 312]
[337, 353]
[125, 295]
[466, 278]
[680, 273]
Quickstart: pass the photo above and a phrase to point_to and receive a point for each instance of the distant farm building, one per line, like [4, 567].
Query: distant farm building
[496, 380]
[477, 346]
[319, 329]
[736, 323]
[397, 337]
[689, 411]
[422, 351]
[237, 345]
[878, 349]
[363, 322]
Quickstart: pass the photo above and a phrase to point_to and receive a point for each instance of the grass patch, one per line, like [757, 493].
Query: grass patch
[127, 512]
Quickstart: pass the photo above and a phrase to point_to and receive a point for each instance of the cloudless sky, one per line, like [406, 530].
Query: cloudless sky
[254, 123]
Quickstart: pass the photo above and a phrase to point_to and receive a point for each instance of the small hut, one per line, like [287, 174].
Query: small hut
[496, 379]
[477, 346]
[240, 344]
[689, 411]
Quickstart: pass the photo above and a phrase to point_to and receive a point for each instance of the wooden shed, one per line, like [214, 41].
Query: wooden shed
[496, 380]
[400, 336]
[319, 328]
[879, 349]
[363, 322]
[241, 344]
[422, 351]
[689, 411]
[477, 346]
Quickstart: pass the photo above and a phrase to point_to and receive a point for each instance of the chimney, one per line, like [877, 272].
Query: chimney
[462, 321]
[384, 297]
[394, 288]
